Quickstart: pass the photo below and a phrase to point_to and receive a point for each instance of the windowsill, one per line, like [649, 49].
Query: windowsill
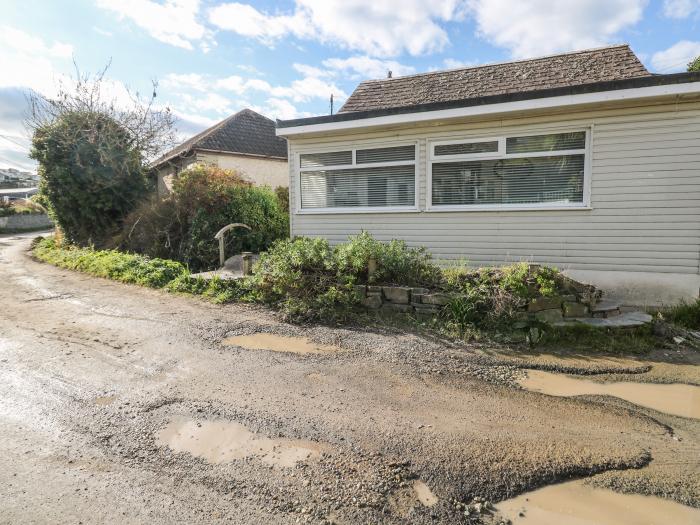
[343, 211]
[515, 207]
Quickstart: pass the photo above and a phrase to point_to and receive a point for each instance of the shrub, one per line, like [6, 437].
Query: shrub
[396, 262]
[6, 208]
[282, 193]
[205, 199]
[111, 264]
[686, 315]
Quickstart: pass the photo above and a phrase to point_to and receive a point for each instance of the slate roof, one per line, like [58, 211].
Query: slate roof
[565, 70]
[246, 132]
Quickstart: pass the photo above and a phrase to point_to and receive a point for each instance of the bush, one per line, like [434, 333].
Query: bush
[396, 262]
[6, 209]
[205, 199]
[282, 193]
[686, 315]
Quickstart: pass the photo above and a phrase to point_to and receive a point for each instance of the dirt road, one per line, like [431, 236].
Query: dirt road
[123, 404]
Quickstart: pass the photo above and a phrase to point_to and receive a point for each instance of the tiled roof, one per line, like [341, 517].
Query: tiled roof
[246, 132]
[569, 69]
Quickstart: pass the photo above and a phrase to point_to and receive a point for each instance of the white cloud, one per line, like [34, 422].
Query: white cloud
[540, 27]
[192, 81]
[452, 63]
[676, 57]
[364, 67]
[681, 8]
[26, 60]
[378, 28]
[281, 109]
[173, 21]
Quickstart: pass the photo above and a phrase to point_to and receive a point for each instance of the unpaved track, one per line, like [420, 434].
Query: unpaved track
[91, 371]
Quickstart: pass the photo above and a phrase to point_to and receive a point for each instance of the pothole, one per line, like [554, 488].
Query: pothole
[104, 400]
[576, 503]
[221, 441]
[676, 399]
[279, 343]
[424, 494]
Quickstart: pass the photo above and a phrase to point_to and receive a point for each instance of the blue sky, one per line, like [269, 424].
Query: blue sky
[284, 59]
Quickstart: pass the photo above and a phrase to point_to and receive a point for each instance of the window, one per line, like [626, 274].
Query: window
[532, 171]
[358, 180]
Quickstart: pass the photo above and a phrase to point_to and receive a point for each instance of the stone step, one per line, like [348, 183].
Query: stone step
[606, 309]
[624, 320]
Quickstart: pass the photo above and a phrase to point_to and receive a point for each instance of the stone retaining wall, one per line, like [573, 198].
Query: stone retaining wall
[25, 221]
[577, 301]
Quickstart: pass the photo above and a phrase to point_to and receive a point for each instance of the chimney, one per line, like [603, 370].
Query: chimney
[388, 74]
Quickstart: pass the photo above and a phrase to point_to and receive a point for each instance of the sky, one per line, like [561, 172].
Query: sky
[285, 59]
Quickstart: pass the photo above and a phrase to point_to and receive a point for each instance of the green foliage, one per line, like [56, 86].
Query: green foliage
[282, 193]
[580, 337]
[110, 264]
[694, 65]
[216, 289]
[300, 277]
[205, 199]
[91, 175]
[6, 209]
[396, 262]
[685, 314]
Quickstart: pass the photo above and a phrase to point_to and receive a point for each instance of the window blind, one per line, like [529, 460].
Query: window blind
[331, 158]
[358, 187]
[554, 142]
[392, 154]
[557, 179]
[466, 148]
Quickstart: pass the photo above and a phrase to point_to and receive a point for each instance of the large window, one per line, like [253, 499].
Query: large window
[528, 171]
[362, 179]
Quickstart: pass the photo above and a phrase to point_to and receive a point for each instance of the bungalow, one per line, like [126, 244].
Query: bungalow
[584, 160]
[245, 142]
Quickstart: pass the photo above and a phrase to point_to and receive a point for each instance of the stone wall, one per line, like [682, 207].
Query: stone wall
[20, 222]
[575, 301]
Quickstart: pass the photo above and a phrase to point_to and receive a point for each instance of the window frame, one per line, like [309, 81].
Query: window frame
[358, 209]
[431, 159]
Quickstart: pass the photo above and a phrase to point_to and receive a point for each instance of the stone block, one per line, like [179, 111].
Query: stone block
[372, 301]
[360, 289]
[575, 309]
[397, 294]
[419, 291]
[427, 309]
[416, 298]
[394, 308]
[550, 316]
[544, 303]
[374, 289]
[440, 299]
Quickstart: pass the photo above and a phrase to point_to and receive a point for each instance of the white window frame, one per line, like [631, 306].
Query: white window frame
[358, 209]
[501, 154]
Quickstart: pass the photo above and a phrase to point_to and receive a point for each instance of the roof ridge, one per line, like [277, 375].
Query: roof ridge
[490, 64]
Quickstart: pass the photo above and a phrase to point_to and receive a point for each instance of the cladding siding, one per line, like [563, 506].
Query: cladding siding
[645, 196]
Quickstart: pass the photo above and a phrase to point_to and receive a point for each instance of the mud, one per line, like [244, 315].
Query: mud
[277, 343]
[392, 409]
[678, 400]
[223, 441]
[575, 503]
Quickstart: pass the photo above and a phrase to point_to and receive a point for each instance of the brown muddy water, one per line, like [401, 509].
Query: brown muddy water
[424, 494]
[278, 343]
[575, 503]
[676, 399]
[222, 441]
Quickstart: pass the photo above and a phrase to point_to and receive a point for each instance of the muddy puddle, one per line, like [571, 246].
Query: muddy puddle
[279, 343]
[221, 441]
[104, 400]
[675, 399]
[575, 503]
[424, 494]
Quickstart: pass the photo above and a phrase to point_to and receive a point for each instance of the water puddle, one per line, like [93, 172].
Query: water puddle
[575, 503]
[279, 343]
[104, 400]
[222, 441]
[424, 494]
[676, 399]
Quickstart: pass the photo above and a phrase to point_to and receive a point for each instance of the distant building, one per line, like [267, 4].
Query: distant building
[245, 142]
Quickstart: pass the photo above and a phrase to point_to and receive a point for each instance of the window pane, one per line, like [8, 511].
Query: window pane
[365, 156]
[332, 158]
[509, 181]
[558, 142]
[466, 148]
[361, 187]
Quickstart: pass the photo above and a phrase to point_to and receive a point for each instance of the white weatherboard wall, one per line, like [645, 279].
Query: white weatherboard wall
[640, 240]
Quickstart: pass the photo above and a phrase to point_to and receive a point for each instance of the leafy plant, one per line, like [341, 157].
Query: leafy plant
[694, 65]
[203, 200]
[685, 314]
